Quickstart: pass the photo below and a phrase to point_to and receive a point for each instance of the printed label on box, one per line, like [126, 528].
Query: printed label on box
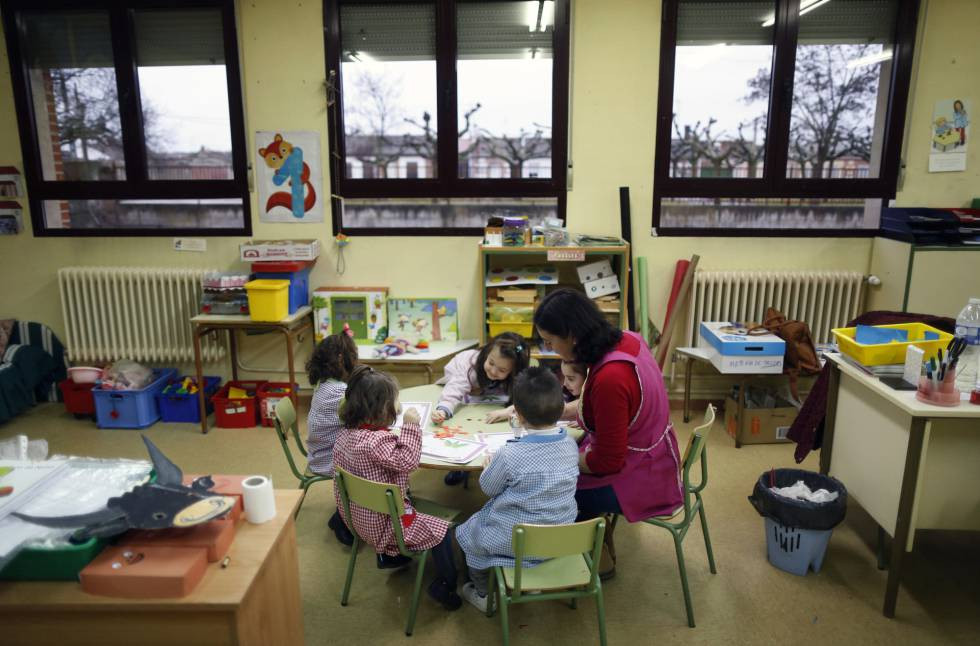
[781, 432]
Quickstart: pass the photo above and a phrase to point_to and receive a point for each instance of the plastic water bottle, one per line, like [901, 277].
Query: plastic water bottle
[968, 327]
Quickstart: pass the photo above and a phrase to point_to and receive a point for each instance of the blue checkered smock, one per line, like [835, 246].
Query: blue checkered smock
[530, 480]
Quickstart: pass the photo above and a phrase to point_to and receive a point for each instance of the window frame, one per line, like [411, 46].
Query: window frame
[446, 184]
[773, 183]
[136, 185]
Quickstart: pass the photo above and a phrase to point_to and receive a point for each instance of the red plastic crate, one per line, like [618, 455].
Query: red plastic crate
[237, 413]
[78, 398]
[269, 395]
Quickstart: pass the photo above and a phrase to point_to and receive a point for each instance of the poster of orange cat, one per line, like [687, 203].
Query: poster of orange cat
[289, 176]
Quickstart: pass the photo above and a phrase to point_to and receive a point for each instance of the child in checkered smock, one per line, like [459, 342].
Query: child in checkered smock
[332, 361]
[368, 449]
[530, 480]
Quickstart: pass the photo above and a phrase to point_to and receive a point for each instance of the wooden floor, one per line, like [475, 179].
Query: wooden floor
[747, 602]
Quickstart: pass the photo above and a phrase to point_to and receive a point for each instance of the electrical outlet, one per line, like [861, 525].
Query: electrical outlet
[190, 244]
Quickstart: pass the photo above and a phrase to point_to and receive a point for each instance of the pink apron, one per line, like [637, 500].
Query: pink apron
[649, 483]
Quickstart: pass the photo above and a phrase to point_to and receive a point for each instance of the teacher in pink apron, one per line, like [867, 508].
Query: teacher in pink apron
[628, 456]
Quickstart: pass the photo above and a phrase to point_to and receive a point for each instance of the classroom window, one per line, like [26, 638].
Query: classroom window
[130, 116]
[780, 116]
[458, 102]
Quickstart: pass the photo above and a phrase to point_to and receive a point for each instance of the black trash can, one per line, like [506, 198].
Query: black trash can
[797, 531]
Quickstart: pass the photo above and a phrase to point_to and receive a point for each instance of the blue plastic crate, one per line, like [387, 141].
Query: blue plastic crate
[131, 408]
[796, 550]
[299, 286]
[183, 407]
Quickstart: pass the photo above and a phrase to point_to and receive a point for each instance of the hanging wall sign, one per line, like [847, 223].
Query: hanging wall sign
[950, 135]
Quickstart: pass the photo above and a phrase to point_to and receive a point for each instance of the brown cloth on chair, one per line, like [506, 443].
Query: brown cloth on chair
[807, 428]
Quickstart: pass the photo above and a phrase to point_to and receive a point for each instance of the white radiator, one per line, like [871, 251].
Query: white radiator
[139, 313]
[823, 299]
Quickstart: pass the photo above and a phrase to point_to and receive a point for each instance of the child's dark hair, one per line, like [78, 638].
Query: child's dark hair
[511, 346]
[537, 396]
[370, 398]
[570, 313]
[332, 358]
[577, 366]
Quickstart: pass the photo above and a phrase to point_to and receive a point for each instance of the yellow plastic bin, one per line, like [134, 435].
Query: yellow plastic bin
[894, 352]
[268, 299]
[524, 329]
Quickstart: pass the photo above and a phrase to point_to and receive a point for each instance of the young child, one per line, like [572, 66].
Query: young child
[369, 450]
[573, 380]
[329, 367]
[487, 371]
[530, 480]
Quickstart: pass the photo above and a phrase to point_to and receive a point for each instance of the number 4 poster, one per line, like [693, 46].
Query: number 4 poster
[289, 176]
[950, 135]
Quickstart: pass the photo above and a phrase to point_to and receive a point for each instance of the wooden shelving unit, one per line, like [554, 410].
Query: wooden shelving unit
[513, 257]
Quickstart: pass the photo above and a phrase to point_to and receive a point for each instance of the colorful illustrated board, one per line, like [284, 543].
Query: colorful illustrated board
[451, 449]
[424, 409]
[423, 319]
[950, 135]
[364, 309]
[288, 176]
[542, 275]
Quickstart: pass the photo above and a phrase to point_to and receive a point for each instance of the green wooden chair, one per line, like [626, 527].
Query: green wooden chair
[692, 505]
[285, 418]
[385, 498]
[571, 572]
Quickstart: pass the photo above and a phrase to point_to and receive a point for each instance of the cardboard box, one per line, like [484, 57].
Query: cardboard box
[144, 572]
[745, 364]
[732, 339]
[602, 286]
[762, 425]
[595, 271]
[279, 250]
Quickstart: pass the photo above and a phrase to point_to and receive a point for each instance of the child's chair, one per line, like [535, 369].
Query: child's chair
[678, 529]
[285, 418]
[571, 572]
[385, 498]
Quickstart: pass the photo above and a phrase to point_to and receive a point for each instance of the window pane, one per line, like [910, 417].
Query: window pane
[443, 213]
[504, 78]
[722, 71]
[225, 213]
[769, 213]
[388, 73]
[841, 87]
[73, 88]
[184, 94]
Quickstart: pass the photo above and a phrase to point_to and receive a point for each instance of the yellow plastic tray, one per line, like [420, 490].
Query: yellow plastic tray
[524, 329]
[894, 352]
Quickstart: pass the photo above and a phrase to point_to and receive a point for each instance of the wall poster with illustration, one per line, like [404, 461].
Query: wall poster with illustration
[289, 176]
[950, 135]
[423, 319]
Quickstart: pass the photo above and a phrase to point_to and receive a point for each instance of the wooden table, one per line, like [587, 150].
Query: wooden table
[255, 600]
[439, 351]
[469, 418]
[290, 327]
[910, 465]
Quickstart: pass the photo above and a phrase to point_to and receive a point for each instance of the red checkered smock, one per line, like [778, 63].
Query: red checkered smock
[381, 456]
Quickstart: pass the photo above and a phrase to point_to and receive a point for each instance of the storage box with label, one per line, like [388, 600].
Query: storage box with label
[602, 286]
[733, 350]
[279, 250]
[762, 425]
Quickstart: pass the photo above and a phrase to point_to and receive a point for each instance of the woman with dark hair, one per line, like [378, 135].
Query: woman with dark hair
[628, 457]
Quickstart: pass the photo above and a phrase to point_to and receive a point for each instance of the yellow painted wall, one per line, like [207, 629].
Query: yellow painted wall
[949, 68]
[613, 109]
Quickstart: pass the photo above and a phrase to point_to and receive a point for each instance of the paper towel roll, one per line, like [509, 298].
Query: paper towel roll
[259, 500]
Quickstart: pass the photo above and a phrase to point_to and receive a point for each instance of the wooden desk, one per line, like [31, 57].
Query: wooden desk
[255, 600]
[469, 418]
[290, 327]
[910, 465]
[438, 351]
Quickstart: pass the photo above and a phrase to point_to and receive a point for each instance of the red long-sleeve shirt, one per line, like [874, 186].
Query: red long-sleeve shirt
[614, 391]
